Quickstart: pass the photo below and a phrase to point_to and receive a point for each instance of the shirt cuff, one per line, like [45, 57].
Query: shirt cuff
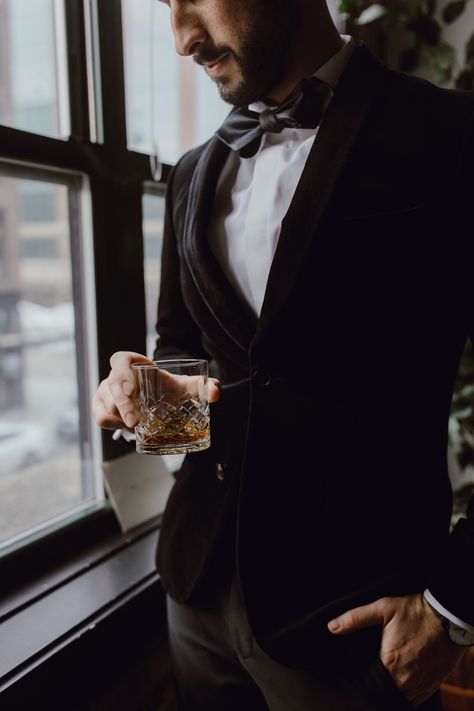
[124, 434]
[433, 602]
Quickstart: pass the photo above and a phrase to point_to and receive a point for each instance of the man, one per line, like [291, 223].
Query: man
[316, 251]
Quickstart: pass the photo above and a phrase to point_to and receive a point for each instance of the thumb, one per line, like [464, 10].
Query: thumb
[139, 358]
[213, 390]
[357, 619]
[129, 383]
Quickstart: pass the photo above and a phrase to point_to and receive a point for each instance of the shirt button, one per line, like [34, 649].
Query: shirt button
[220, 472]
[261, 377]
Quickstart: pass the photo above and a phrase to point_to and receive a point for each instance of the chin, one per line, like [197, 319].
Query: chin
[230, 94]
[239, 94]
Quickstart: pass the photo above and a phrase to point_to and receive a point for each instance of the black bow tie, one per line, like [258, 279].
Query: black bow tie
[243, 129]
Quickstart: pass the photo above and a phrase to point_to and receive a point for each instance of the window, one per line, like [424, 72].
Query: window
[46, 464]
[171, 104]
[71, 294]
[33, 84]
[71, 261]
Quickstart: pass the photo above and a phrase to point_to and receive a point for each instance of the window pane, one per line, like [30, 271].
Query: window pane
[46, 468]
[37, 202]
[153, 215]
[33, 84]
[170, 100]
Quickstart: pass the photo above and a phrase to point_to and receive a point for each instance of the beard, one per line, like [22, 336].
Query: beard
[263, 52]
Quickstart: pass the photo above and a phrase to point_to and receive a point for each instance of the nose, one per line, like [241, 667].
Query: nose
[189, 33]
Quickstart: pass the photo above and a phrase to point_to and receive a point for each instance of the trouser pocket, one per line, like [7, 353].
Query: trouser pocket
[388, 684]
[374, 682]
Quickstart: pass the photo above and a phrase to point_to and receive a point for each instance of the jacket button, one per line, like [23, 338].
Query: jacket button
[220, 472]
[261, 377]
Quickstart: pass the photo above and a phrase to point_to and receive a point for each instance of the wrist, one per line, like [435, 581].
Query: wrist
[457, 635]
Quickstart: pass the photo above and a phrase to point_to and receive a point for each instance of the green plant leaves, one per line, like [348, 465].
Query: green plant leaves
[426, 28]
[470, 51]
[430, 54]
[465, 78]
[409, 59]
[436, 62]
[371, 13]
[453, 10]
[353, 8]
[444, 58]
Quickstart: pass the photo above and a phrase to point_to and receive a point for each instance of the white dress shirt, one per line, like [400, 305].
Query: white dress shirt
[254, 194]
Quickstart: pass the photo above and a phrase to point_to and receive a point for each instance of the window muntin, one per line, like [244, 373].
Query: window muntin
[153, 215]
[93, 71]
[48, 461]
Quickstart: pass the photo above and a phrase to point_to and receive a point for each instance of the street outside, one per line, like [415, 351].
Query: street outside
[38, 491]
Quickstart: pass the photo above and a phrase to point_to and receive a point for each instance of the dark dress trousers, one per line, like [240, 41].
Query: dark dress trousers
[327, 476]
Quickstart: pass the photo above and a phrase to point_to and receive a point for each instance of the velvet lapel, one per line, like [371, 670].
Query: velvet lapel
[356, 90]
[232, 315]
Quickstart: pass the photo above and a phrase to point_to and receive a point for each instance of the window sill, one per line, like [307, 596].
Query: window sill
[103, 582]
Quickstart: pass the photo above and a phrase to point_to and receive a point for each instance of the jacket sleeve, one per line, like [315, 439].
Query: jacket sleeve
[452, 582]
[178, 335]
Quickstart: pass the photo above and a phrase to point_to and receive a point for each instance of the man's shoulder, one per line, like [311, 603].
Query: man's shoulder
[418, 90]
[417, 110]
[408, 108]
[212, 152]
[183, 170]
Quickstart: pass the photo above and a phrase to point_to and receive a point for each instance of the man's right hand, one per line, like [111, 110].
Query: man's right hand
[113, 404]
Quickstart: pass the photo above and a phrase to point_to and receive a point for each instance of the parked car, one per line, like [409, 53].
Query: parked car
[21, 445]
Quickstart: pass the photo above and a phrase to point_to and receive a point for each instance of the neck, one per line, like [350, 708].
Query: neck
[310, 51]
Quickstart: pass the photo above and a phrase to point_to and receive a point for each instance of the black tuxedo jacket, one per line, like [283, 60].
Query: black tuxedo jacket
[331, 430]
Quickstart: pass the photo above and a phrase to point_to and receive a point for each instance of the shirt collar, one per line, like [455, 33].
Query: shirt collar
[329, 72]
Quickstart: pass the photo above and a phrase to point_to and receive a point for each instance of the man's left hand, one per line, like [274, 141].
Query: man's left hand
[415, 648]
